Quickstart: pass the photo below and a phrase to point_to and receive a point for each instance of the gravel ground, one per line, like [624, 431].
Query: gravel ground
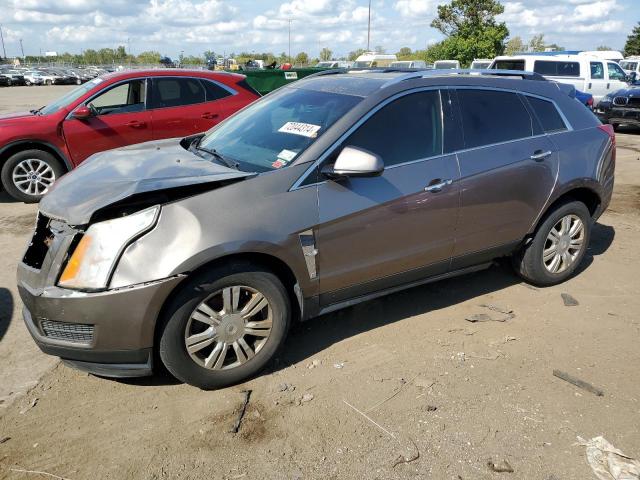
[399, 387]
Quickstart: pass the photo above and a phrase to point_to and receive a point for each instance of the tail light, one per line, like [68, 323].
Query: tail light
[590, 102]
[608, 129]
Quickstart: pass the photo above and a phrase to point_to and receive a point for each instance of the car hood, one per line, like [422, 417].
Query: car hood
[15, 116]
[627, 92]
[108, 177]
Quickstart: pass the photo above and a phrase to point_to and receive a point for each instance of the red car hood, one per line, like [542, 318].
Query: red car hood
[15, 115]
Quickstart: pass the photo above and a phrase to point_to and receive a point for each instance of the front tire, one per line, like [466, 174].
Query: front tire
[224, 326]
[29, 174]
[558, 246]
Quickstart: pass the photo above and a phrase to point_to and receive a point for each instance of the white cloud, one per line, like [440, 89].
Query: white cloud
[415, 8]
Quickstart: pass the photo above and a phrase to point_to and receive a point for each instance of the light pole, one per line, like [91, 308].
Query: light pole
[289, 40]
[4, 52]
[369, 27]
[21, 49]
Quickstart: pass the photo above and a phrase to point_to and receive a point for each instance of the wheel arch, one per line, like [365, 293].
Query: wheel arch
[583, 194]
[21, 145]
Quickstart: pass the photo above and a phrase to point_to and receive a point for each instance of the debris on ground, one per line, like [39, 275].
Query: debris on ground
[283, 387]
[568, 300]
[413, 458]
[338, 365]
[307, 397]
[578, 383]
[4, 439]
[37, 472]
[609, 463]
[243, 409]
[502, 467]
[431, 408]
[505, 314]
[422, 382]
[33, 403]
[313, 364]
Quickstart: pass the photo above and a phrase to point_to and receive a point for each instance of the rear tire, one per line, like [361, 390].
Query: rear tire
[558, 246]
[219, 329]
[20, 167]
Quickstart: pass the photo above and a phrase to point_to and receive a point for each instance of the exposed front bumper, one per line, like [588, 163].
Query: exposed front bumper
[630, 116]
[121, 323]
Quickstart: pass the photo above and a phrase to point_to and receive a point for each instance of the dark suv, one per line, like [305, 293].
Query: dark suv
[331, 191]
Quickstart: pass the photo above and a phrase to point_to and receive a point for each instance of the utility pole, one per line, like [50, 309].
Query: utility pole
[289, 40]
[4, 52]
[21, 49]
[369, 28]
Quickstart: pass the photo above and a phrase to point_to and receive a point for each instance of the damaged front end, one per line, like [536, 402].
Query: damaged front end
[84, 225]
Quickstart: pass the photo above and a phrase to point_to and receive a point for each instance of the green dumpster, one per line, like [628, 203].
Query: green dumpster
[265, 81]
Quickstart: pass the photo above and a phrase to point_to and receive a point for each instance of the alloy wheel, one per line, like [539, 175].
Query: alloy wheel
[33, 176]
[228, 328]
[564, 244]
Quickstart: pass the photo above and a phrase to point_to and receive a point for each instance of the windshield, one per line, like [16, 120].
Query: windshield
[272, 132]
[361, 64]
[629, 65]
[70, 97]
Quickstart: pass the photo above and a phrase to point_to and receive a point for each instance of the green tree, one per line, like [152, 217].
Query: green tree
[355, 54]
[604, 48]
[149, 57]
[325, 54]
[536, 44]
[556, 47]
[632, 47]
[513, 46]
[302, 59]
[471, 29]
[404, 53]
[121, 52]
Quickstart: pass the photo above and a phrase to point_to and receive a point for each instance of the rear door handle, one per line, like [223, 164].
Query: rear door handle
[210, 115]
[135, 124]
[539, 155]
[437, 185]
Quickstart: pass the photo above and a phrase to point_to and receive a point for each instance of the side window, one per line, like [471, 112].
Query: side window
[409, 128]
[597, 71]
[213, 91]
[556, 68]
[174, 91]
[492, 117]
[615, 72]
[127, 97]
[547, 114]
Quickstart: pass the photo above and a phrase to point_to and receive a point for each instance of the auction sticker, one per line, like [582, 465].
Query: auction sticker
[298, 128]
[287, 155]
[290, 75]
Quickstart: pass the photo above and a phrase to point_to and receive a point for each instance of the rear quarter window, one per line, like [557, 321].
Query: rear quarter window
[509, 65]
[557, 68]
[548, 115]
[490, 117]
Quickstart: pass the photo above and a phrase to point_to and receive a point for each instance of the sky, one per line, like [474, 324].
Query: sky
[225, 26]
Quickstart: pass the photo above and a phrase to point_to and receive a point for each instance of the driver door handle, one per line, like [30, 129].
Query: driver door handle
[539, 155]
[135, 124]
[437, 185]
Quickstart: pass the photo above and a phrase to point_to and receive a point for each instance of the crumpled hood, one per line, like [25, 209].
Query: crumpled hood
[111, 176]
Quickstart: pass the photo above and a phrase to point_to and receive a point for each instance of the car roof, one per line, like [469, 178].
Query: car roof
[366, 82]
[172, 72]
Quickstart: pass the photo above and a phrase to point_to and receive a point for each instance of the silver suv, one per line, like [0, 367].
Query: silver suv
[200, 252]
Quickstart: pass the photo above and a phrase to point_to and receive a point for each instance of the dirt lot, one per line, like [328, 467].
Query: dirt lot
[445, 393]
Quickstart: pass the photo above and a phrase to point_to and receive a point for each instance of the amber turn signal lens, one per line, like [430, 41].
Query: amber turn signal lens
[73, 265]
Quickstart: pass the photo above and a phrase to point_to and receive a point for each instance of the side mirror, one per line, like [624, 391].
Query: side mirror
[355, 162]
[82, 112]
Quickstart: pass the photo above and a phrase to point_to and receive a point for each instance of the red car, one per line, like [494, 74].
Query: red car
[109, 112]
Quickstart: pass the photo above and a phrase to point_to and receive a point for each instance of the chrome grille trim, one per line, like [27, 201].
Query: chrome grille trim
[620, 101]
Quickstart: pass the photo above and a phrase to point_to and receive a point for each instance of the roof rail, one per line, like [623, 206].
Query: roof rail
[333, 71]
[488, 72]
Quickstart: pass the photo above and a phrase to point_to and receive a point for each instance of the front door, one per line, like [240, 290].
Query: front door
[120, 119]
[617, 77]
[597, 83]
[376, 233]
[507, 172]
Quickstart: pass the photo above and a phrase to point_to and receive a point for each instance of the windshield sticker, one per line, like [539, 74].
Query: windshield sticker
[298, 128]
[290, 75]
[286, 155]
[279, 163]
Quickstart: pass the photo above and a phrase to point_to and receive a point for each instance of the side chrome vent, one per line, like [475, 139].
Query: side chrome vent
[308, 244]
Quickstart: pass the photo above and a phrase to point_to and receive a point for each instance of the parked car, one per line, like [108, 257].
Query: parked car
[15, 77]
[585, 98]
[411, 64]
[33, 78]
[112, 111]
[631, 65]
[4, 81]
[621, 107]
[446, 64]
[373, 60]
[50, 78]
[323, 194]
[481, 64]
[333, 64]
[586, 73]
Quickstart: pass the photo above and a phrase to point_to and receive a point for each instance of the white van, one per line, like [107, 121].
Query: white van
[588, 74]
[446, 64]
[411, 64]
[631, 65]
[613, 55]
[372, 59]
[480, 64]
[333, 64]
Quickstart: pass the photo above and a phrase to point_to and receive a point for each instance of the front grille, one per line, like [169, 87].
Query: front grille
[70, 332]
[620, 101]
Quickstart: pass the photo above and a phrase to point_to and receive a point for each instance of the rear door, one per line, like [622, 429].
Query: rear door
[178, 107]
[597, 83]
[376, 233]
[508, 169]
[121, 119]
